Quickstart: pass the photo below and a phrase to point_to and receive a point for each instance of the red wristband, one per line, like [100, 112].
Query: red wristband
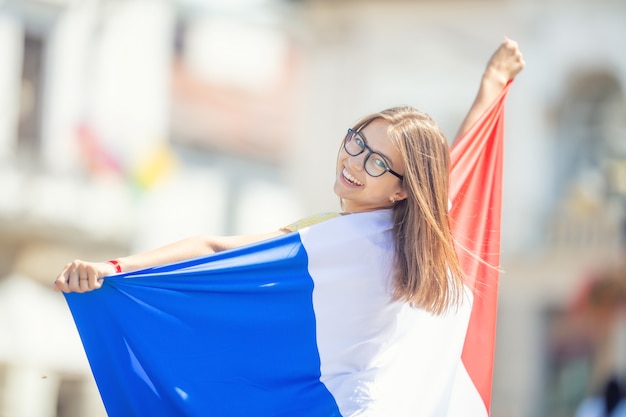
[116, 264]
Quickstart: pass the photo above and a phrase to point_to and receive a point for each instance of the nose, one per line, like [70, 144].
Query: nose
[357, 162]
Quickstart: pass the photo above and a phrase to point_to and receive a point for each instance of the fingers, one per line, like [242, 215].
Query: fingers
[506, 62]
[80, 276]
[62, 281]
[94, 280]
[74, 279]
[515, 57]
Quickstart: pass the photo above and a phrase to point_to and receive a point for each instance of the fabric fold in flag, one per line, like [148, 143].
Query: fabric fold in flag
[476, 194]
[302, 324]
[233, 335]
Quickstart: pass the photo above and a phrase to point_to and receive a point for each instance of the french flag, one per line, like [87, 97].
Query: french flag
[303, 324]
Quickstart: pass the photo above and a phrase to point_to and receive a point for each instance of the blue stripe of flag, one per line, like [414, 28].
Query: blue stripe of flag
[232, 334]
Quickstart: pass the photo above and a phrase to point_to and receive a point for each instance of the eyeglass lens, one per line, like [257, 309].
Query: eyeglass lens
[374, 163]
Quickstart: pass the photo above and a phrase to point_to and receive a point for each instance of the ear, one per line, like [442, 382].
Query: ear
[398, 195]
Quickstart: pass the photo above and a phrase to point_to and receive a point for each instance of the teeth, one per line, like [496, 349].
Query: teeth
[350, 178]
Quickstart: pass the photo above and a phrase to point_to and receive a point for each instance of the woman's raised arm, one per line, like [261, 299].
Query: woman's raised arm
[505, 63]
[82, 276]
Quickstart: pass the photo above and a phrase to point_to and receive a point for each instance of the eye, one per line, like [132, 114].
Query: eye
[380, 162]
[359, 141]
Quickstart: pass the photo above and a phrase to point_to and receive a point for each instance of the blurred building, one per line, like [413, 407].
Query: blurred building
[128, 124]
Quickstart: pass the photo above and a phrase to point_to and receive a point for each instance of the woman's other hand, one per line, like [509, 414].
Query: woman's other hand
[82, 276]
[505, 63]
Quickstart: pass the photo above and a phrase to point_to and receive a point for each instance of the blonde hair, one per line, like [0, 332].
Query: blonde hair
[427, 269]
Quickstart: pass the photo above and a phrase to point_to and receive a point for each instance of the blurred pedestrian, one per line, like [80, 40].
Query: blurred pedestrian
[609, 403]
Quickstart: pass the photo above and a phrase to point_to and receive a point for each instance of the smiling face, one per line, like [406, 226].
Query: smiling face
[358, 190]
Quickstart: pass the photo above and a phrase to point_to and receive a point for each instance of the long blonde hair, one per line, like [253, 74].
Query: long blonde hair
[427, 270]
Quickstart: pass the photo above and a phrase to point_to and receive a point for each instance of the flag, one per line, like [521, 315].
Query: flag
[476, 193]
[303, 324]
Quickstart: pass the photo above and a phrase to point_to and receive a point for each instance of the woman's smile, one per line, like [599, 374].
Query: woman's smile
[351, 180]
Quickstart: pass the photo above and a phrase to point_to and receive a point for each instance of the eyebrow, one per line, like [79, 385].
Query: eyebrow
[387, 159]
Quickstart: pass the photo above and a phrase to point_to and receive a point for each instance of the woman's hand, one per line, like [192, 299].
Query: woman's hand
[82, 276]
[505, 63]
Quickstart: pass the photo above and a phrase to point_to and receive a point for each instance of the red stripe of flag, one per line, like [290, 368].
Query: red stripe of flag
[476, 194]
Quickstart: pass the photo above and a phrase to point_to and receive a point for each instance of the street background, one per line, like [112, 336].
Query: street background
[125, 125]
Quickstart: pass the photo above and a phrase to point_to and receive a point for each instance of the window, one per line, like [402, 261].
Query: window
[592, 124]
[30, 100]
[70, 399]
[591, 155]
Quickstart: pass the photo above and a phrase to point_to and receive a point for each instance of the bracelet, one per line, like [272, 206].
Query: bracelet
[116, 264]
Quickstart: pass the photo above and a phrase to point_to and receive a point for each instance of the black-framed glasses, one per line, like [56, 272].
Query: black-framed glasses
[374, 163]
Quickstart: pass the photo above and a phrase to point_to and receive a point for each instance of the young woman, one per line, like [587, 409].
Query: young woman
[397, 159]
